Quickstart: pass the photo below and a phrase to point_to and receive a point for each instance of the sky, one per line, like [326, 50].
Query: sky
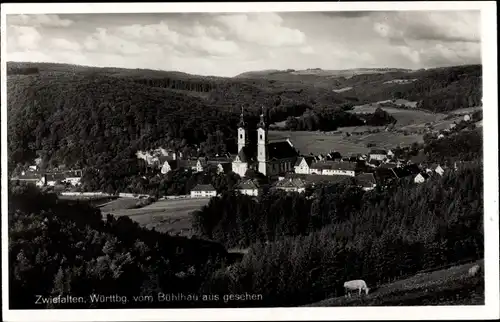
[230, 44]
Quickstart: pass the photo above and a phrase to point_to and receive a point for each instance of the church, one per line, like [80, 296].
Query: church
[268, 158]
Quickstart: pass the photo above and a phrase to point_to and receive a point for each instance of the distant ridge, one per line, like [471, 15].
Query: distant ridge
[322, 72]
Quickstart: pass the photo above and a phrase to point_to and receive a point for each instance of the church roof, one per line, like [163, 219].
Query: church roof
[280, 150]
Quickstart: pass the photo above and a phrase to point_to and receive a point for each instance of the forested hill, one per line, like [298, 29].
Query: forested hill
[86, 116]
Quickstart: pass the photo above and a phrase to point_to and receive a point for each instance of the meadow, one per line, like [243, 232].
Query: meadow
[404, 117]
[450, 286]
[170, 216]
[319, 142]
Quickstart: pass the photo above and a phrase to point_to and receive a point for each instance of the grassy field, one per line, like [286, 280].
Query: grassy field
[120, 204]
[467, 110]
[404, 117]
[450, 286]
[172, 216]
[318, 142]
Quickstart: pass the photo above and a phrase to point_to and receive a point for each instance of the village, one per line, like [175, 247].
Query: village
[278, 160]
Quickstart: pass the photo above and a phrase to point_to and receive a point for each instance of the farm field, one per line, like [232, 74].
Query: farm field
[170, 216]
[119, 204]
[404, 117]
[451, 286]
[467, 110]
[318, 142]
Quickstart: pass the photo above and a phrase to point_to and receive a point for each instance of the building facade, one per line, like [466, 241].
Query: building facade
[268, 158]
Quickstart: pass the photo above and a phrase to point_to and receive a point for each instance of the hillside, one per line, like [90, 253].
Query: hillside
[449, 286]
[88, 116]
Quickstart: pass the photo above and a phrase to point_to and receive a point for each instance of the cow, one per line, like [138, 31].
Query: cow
[474, 270]
[355, 285]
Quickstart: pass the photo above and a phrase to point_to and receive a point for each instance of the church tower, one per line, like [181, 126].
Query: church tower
[262, 144]
[242, 132]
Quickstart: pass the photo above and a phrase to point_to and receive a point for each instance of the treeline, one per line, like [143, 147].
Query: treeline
[64, 248]
[379, 236]
[436, 90]
[332, 119]
[135, 176]
[466, 145]
[90, 121]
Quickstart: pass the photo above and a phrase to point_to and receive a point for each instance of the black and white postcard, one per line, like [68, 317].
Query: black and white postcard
[236, 161]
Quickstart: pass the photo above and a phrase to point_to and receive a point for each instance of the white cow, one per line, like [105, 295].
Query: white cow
[355, 285]
[474, 270]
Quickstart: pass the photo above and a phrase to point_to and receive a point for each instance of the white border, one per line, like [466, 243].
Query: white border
[489, 51]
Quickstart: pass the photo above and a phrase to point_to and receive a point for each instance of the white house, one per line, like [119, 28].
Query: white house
[467, 117]
[421, 177]
[390, 154]
[303, 165]
[377, 154]
[73, 177]
[435, 168]
[203, 191]
[248, 187]
[331, 168]
[168, 166]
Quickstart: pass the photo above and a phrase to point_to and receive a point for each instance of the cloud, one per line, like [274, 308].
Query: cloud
[263, 29]
[347, 14]
[24, 37]
[65, 44]
[38, 20]
[307, 50]
[433, 26]
[142, 39]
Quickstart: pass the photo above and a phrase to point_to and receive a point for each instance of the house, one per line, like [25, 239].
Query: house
[303, 164]
[248, 187]
[268, 158]
[435, 168]
[203, 191]
[440, 136]
[224, 167]
[467, 117]
[73, 177]
[201, 163]
[169, 165]
[421, 177]
[377, 154]
[291, 185]
[52, 179]
[334, 168]
[453, 125]
[390, 154]
[30, 177]
[366, 181]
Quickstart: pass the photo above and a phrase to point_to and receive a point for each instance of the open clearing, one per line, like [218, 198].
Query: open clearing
[404, 117]
[318, 142]
[172, 216]
[451, 286]
[119, 204]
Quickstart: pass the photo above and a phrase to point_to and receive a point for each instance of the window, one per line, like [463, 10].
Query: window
[241, 136]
